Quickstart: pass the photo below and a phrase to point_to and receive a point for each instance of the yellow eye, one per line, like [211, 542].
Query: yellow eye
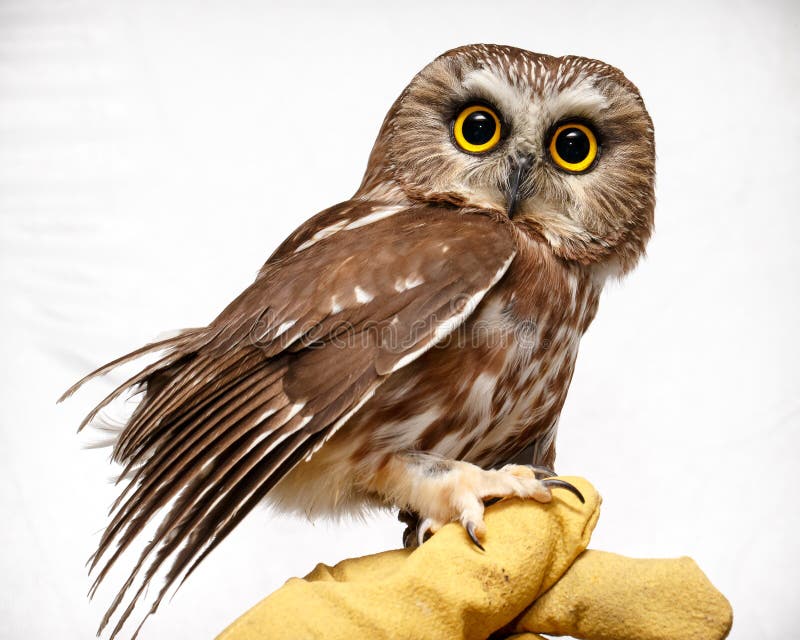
[573, 147]
[477, 129]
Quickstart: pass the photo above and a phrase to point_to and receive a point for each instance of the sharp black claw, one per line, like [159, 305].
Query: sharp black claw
[563, 484]
[411, 520]
[473, 537]
[423, 532]
[542, 472]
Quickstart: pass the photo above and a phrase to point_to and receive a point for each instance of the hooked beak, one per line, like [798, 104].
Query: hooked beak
[519, 172]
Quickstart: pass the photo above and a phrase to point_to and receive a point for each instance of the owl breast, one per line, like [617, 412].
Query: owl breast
[493, 387]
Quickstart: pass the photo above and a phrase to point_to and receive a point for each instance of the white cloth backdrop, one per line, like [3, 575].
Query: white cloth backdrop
[152, 155]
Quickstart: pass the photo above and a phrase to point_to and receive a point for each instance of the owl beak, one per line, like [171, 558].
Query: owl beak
[520, 168]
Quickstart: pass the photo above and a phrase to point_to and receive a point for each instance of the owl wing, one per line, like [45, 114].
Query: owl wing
[354, 295]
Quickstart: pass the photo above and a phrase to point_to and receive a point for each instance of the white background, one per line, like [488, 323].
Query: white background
[153, 154]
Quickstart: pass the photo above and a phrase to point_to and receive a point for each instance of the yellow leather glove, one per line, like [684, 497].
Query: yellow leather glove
[534, 577]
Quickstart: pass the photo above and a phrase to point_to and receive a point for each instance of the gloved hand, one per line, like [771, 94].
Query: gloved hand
[534, 577]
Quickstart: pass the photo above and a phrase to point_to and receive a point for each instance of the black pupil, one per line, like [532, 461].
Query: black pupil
[573, 145]
[478, 127]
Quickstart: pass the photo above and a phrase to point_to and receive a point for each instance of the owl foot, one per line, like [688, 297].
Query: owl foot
[441, 491]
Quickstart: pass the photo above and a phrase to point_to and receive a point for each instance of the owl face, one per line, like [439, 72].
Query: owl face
[564, 146]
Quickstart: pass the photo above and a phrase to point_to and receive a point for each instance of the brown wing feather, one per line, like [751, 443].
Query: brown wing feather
[230, 409]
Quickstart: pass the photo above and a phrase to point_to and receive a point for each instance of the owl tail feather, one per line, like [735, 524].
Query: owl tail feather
[213, 434]
[177, 344]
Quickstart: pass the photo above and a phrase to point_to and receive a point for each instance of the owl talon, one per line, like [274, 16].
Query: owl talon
[542, 472]
[472, 535]
[426, 529]
[422, 529]
[563, 484]
[411, 520]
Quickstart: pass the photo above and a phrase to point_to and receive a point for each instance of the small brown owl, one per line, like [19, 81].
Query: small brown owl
[400, 347]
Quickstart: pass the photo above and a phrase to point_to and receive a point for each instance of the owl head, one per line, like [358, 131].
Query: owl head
[563, 146]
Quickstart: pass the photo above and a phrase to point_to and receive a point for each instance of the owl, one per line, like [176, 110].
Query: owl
[409, 347]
